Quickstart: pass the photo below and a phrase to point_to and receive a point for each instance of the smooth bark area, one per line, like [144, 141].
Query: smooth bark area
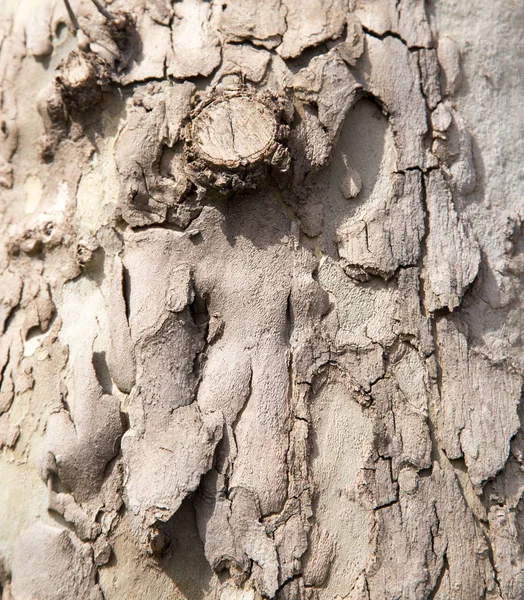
[260, 300]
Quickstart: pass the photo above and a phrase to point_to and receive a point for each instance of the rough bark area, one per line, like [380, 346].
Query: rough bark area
[260, 303]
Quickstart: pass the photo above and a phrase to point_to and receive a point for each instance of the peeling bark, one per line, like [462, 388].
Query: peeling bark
[260, 324]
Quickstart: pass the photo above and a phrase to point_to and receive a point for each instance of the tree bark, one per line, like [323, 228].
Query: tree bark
[260, 300]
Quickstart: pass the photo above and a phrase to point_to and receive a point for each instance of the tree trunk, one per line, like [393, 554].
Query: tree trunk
[260, 300]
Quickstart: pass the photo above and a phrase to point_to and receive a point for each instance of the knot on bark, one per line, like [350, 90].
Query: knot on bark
[236, 139]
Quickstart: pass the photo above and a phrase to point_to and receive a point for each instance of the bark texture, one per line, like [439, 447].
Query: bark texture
[260, 302]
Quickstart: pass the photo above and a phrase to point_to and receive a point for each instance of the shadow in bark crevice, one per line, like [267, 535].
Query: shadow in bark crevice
[187, 565]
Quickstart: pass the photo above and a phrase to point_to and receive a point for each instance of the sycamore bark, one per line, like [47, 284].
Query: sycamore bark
[260, 300]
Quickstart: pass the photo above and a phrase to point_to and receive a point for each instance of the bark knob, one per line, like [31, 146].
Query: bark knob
[233, 132]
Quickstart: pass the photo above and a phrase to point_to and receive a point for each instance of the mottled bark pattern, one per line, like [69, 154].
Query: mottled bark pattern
[238, 290]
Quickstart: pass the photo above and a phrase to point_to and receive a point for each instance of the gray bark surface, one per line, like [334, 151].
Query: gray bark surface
[260, 300]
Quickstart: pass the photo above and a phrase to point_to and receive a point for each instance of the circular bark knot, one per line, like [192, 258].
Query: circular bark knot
[234, 140]
[234, 131]
[81, 76]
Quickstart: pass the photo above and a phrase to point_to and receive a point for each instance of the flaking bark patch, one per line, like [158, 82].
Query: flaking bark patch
[234, 305]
